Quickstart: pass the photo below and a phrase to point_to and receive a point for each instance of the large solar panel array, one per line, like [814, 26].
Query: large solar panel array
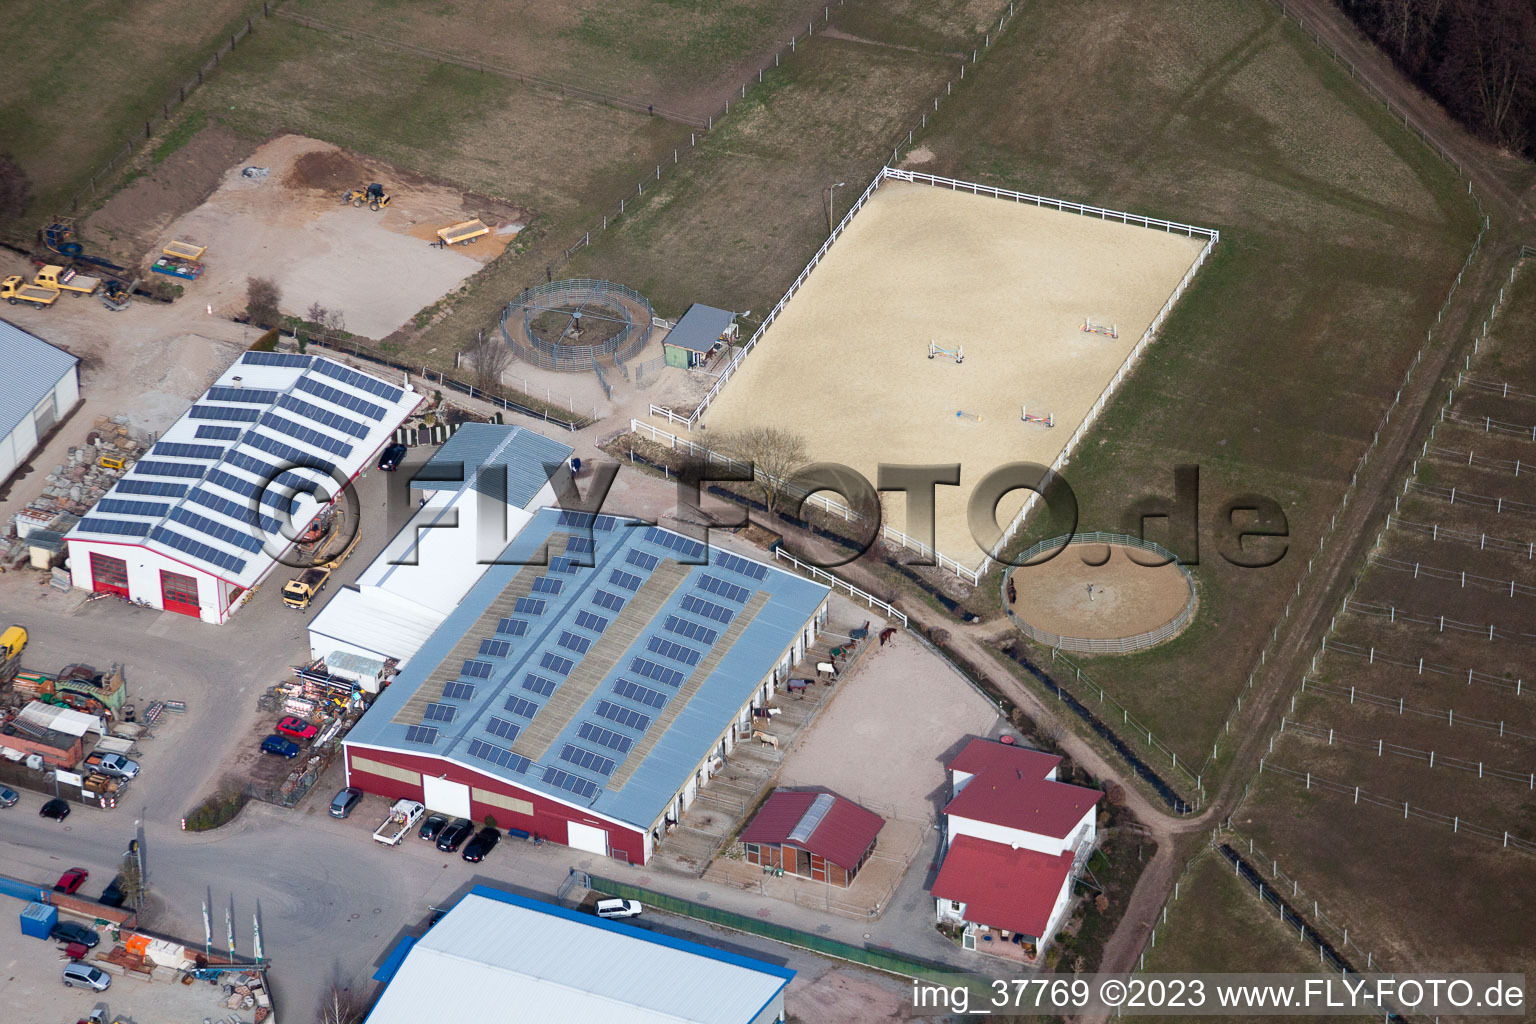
[197, 549]
[362, 382]
[224, 412]
[120, 527]
[219, 531]
[309, 435]
[338, 397]
[276, 359]
[212, 433]
[251, 396]
[152, 468]
[158, 488]
[313, 412]
[174, 449]
[152, 509]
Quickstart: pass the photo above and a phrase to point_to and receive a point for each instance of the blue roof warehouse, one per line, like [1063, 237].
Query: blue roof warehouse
[587, 699]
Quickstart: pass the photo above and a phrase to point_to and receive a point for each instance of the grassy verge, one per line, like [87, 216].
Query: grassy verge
[217, 810]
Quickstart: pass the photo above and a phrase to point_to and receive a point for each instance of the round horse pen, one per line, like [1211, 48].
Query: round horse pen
[575, 324]
[1095, 598]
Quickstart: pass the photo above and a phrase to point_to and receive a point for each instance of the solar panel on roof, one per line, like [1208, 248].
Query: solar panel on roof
[591, 760]
[174, 449]
[421, 734]
[360, 381]
[707, 609]
[604, 738]
[735, 563]
[535, 683]
[239, 513]
[223, 412]
[495, 648]
[547, 585]
[604, 599]
[499, 756]
[573, 783]
[571, 642]
[677, 652]
[529, 606]
[197, 549]
[715, 585]
[578, 545]
[182, 469]
[660, 673]
[248, 462]
[556, 664]
[627, 717]
[580, 520]
[640, 694]
[512, 627]
[691, 630]
[252, 396]
[518, 706]
[325, 417]
[219, 531]
[439, 713]
[627, 580]
[152, 509]
[123, 527]
[586, 620]
[476, 669]
[233, 484]
[213, 433]
[456, 689]
[288, 453]
[338, 397]
[158, 488]
[502, 728]
[643, 559]
[690, 550]
[562, 564]
[308, 435]
[276, 359]
[605, 524]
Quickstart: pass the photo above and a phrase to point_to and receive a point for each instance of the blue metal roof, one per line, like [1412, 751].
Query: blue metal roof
[539, 693]
[474, 446]
[32, 369]
[700, 328]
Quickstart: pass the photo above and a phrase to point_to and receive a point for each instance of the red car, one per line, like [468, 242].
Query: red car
[71, 880]
[297, 728]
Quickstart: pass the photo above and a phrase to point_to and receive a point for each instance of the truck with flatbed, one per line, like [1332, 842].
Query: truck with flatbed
[16, 290]
[326, 544]
[71, 280]
[300, 591]
[403, 817]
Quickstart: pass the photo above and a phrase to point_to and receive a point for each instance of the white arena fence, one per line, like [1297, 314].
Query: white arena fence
[1115, 645]
[973, 575]
[822, 576]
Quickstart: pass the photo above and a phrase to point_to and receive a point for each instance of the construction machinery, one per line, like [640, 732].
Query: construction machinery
[326, 544]
[56, 277]
[374, 197]
[59, 237]
[12, 642]
[15, 289]
[117, 296]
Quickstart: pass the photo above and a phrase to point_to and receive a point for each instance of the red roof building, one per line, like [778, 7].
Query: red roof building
[1003, 888]
[812, 834]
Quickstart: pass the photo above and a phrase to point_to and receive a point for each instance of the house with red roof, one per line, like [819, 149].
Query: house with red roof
[1014, 838]
[812, 834]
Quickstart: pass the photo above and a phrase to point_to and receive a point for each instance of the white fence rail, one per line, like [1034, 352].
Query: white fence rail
[822, 576]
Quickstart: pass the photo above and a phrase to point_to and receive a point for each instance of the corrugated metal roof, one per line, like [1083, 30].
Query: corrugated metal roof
[823, 823]
[374, 620]
[32, 369]
[700, 328]
[216, 502]
[1009, 788]
[546, 696]
[468, 458]
[495, 950]
[1000, 886]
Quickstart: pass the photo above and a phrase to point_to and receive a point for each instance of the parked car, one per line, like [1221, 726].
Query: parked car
[86, 976]
[71, 880]
[280, 746]
[453, 836]
[58, 810]
[69, 931]
[8, 797]
[432, 826]
[297, 728]
[113, 895]
[618, 908]
[484, 842]
[391, 457]
[343, 802]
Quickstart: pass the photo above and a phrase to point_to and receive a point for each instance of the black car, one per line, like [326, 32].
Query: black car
[391, 457]
[68, 931]
[453, 836]
[113, 895]
[431, 827]
[58, 810]
[484, 842]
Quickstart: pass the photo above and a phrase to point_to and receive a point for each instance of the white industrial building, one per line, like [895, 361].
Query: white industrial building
[42, 385]
[205, 514]
[478, 491]
[497, 956]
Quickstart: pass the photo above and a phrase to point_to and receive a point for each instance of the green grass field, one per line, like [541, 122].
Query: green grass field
[1340, 236]
[78, 80]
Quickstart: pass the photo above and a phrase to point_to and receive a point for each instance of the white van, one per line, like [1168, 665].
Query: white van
[618, 908]
[87, 976]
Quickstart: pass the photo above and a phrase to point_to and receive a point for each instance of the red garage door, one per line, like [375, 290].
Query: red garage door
[109, 575]
[179, 593]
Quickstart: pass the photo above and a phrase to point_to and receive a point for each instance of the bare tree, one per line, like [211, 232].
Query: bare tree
[261, 300]
[341, 1006]
[776, 456]
[336, 323]
[490, 358]
[317, 314]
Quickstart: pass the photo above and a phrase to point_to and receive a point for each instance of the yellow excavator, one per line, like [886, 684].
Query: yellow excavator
[374, 197]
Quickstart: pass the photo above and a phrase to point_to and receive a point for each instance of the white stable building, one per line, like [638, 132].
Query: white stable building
[205, 514]
[478, 491]
[41, 386]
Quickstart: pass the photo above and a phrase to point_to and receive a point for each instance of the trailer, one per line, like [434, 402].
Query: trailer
[184, 251]
[463, 233]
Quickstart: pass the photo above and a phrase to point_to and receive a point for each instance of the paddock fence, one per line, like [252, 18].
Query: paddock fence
[1333, 737]
[1420, 666]
[1403, 708]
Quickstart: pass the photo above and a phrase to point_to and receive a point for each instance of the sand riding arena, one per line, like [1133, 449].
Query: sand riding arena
[945, 322]
[1100, 594]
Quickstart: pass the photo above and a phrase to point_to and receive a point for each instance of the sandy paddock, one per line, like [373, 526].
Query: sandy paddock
[377, 269]
[846, 363]
[1127, 598]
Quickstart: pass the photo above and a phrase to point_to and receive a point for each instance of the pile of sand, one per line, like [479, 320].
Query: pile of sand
[328, 170]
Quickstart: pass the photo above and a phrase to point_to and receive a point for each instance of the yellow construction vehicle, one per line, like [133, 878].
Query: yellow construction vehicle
[374, 197]
[59, 279]
[15, 289]
[12, 642]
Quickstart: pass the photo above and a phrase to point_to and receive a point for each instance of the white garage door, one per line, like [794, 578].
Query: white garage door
[585, 837]
[445, 797]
